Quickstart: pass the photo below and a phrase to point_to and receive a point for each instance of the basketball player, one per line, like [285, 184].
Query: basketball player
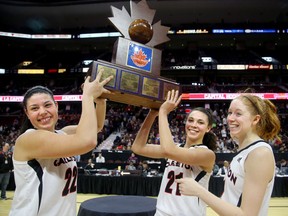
[194, 159]
[44, 167]
[249, 182]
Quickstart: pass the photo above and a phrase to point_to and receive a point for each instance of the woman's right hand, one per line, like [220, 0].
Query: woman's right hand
[96, 88]
[188, 186]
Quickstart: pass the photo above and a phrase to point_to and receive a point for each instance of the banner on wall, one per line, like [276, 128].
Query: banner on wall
[185, 96]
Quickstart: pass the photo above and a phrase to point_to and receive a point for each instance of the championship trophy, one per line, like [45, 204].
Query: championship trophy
[135, 64]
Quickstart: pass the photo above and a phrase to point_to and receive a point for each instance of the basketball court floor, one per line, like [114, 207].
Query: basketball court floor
[278, 206]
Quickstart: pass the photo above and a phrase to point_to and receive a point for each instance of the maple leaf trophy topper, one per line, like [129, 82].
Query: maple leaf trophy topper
[136, 63]
[137, 27]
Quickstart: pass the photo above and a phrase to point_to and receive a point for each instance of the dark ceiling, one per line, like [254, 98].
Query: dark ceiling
[38, 16]
[56, 16]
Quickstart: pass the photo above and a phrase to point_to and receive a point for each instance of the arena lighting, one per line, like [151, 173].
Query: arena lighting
[12, 34]
[197, 84]
[185, 96]
[189, 31]
[100, 35]
[206, 59]
[118, 34]
[52, 70]
[51, 36]
[85, 70]
[61, 70]
[86, 62]
[231, 67]
[244, 31]
[259, 67]
[2, 71]
[227, 31]
[26, 63]
[36, 36]
[267, 59]
[30, 71]
[270, 59]
[260, 31]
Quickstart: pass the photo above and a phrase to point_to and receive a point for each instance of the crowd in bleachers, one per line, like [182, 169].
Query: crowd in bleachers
[127, 119]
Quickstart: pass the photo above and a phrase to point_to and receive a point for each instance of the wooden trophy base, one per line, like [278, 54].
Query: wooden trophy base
[132, 86]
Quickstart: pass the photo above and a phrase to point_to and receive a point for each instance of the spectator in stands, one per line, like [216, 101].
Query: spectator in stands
[215, 169]
[43, 156]
[133, 158]
[6, 167]
[249, 183]
[224, 169]
[90, 164]
[194, 158]
[223, 132]
[100, 158]
[130, 166]
[77, 158]
[146, 169]
[117, 141]
[283, 169]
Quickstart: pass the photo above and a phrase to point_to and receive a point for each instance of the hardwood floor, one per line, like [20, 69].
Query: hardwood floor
[278, 206]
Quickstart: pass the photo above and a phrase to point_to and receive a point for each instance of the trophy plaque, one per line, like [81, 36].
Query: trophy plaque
[135, 63]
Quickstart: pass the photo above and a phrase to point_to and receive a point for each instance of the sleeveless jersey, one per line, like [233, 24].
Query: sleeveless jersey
[234, 179]
[45, 187]
[170, 201]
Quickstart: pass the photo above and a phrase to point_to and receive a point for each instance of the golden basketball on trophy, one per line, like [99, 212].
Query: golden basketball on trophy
[135, 63]
[141, 31]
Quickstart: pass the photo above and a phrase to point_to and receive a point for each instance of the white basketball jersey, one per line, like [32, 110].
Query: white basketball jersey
[234, 179]
[170, 201]
[45, 187]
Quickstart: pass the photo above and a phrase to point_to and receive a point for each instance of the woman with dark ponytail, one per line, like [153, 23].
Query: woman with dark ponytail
[193, 159]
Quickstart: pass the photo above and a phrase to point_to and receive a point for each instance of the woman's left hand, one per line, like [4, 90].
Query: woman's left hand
[172, 101]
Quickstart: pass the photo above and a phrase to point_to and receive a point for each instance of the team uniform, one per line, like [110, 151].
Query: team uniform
[170, 201]
[234, 179]
[45, 187]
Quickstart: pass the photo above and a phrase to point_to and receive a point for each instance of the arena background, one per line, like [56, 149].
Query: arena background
[233, 35]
